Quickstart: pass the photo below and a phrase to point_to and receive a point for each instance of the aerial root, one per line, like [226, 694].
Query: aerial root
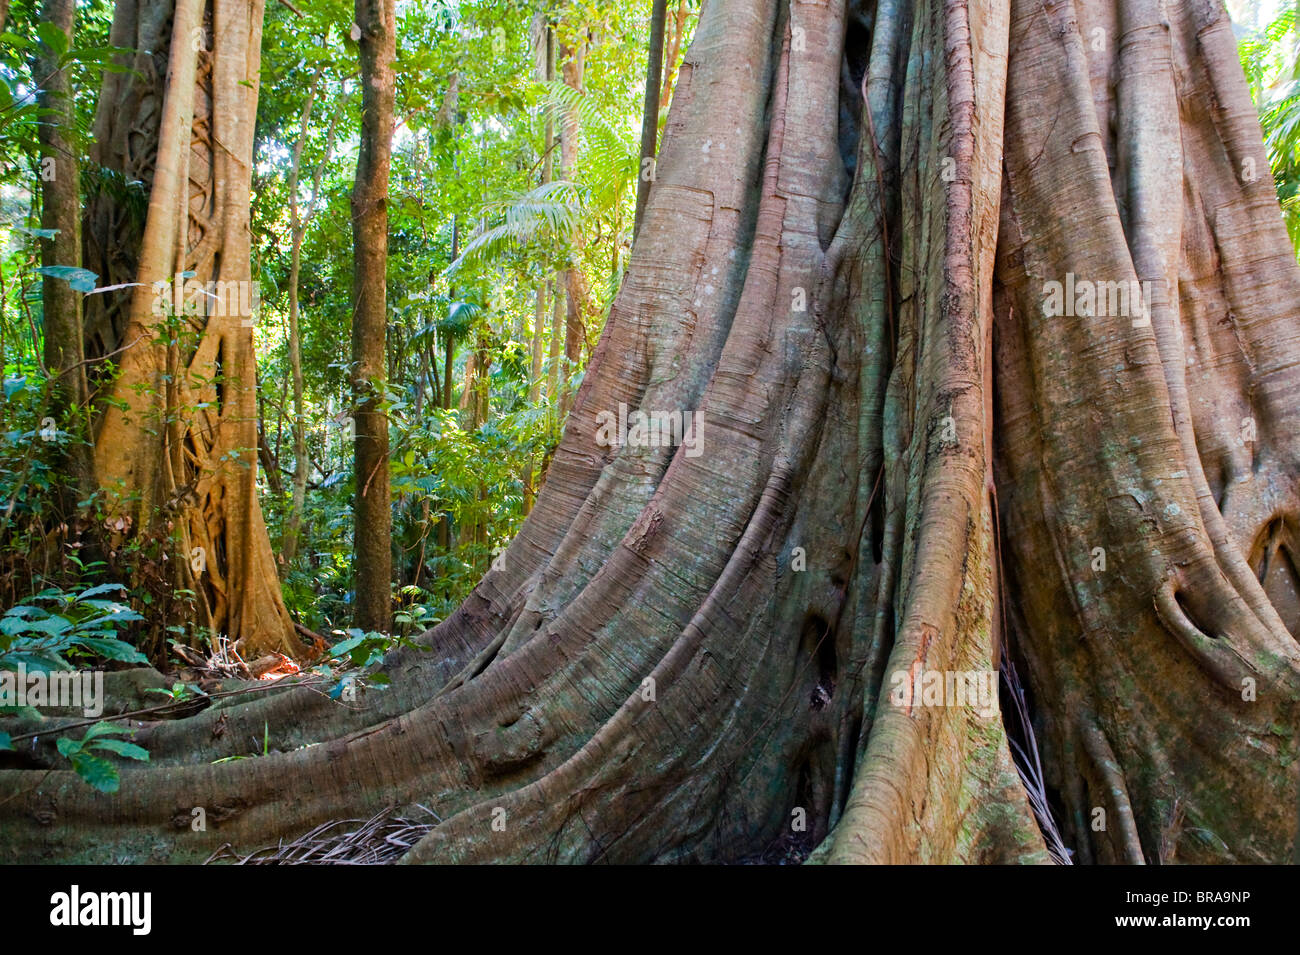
[1103, 758]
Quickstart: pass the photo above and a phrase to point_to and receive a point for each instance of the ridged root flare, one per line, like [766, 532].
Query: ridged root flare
[841, 275]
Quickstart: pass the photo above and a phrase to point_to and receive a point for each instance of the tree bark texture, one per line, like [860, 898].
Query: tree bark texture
[907, 465]
[372, 508]
[176, 447]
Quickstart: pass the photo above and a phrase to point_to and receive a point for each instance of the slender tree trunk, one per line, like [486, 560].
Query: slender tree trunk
[297, 228]
[469, 389]
[474, 399]
[373, 505]
[444, 526]
[546, 73]
[517, 327]
[61, 212]
[675, 35]
[548, 165]
[553, 379]
[572, 277]
[697, 649]
[299, 225]
[650, 111]
[449, 338]
[267, 458]
[535, 385]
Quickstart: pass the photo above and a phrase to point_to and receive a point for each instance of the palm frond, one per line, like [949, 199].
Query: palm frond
[553, 208]
[611, 154]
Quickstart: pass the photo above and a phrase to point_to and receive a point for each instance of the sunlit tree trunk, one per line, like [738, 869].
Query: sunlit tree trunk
[676, 33]
[573, 279]
[297, 228]
[298, 224]
[534, 384]
[472, 534]
[907, 462]
[176, 448]
[554, 376]
[544, 69]
[372, 507]
[449, 359]
[650, 109]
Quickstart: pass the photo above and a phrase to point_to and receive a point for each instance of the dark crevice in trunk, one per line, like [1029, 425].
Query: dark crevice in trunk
[861, 16]
[818, 645]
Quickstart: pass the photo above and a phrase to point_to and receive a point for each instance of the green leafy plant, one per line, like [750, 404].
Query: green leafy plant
[178, 692]
[360, 649]
[1270, 59]
[95, 769]
[75, 624]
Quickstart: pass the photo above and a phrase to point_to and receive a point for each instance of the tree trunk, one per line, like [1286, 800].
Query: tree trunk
[297, 228]
[444, 525]
[299, 225]
[650, 111]
[177, 445]
[534, 385]
[474, 396]
[572, 277]
[544, 68]
[698, 651]
[675, 36]
[1155, 468]
[266, 457]
[61, 213]
[373, 507]
[553, 377]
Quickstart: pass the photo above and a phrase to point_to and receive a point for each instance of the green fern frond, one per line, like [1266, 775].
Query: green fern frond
[553, 208]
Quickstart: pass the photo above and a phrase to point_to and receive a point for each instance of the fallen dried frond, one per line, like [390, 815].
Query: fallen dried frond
[380, 840]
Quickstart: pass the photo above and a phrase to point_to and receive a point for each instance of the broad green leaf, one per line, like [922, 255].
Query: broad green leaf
[26, 610]
[346, 646]
[100, 589]
[35, 661]
[102, 728]
[112, 649]
[53, 625]
[52, 37]
[122, 614]
[96, 771]
[124, 749]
